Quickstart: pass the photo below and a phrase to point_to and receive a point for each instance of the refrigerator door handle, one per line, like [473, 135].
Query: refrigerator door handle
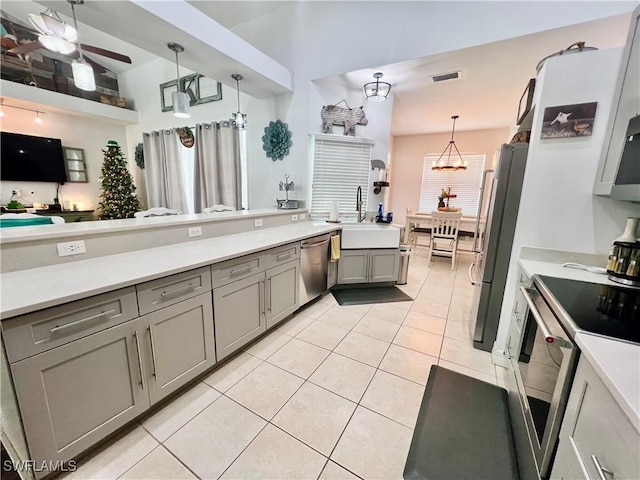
[476, 233]
[473, 282]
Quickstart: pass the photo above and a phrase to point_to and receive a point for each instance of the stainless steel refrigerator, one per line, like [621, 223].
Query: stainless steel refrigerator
[500, 201]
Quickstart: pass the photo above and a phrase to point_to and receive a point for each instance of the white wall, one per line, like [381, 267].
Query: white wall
[74, 131]
[558, 209]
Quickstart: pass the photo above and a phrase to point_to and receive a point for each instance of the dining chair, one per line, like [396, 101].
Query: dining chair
[416, 231]
[444, 235]
[157, 212]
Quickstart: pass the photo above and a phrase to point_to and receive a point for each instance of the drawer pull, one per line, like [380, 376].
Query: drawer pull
[78, 322]
[282, 256]
[135, 335]
[153, 354]
[269, 294]
[600, 469]
[238, 271]
[178, 289]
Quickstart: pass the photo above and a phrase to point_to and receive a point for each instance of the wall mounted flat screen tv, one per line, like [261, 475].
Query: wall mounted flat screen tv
[31, 159]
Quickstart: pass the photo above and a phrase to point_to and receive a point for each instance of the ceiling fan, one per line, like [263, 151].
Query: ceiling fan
[57, 36]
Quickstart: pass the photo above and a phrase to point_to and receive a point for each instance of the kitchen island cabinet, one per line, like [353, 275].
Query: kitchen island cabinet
[368, 266]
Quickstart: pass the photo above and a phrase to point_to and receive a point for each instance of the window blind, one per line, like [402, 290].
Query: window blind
[340, 166]
[464, 183]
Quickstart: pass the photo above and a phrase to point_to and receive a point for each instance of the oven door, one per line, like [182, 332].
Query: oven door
[544, 367]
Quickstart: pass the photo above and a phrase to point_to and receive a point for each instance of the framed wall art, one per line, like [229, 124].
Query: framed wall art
[566, 121]
[199, 88]
[525, 101]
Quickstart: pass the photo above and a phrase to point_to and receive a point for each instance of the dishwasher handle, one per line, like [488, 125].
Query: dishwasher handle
[314, 245]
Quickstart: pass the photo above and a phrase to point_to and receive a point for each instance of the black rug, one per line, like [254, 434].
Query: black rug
[362, 296]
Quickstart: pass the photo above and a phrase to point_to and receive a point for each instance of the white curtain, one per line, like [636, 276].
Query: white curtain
[164, 170]
[218, 178]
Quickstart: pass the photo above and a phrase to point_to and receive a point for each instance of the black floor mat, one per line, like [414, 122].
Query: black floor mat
[363, 296]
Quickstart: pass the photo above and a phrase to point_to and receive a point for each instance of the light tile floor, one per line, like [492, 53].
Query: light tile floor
[332, 394]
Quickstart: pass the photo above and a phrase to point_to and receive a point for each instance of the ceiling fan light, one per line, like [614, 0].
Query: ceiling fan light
[36, 20]
[56, 44]
[70, 34]
[83, 75]
[180, 102]
[53, 22]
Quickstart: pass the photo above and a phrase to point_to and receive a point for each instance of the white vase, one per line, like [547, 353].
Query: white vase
[629, 234]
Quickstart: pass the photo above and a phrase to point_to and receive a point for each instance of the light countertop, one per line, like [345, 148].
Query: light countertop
[29, 290]
[617, 363]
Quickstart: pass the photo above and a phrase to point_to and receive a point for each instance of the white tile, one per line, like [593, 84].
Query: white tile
[232, 372]
[485, 377]
[265, 390]
[408, 364]
[431, 308]
[341, 317]
[459, 331]
[390, 312]
[377, 328]
[179, 411]
[323, 334]
[459, 314]
[328, 298]
[373, 446]
[364, 308]
[274, 454]
[315, 309]
[428, 323]
[333, 471]
[419, 340]
[212, 440]
[394, 397]
[116, 458]
[295, 325]
[463, 353]
[343, 376]
[158, 465]
[298, 357]
[362, 348]
[268, 345]
[315, 416]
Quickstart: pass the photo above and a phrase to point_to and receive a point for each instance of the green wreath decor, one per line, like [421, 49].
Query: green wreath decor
[276, 140]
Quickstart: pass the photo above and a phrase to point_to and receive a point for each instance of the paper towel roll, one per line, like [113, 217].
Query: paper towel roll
[333, 213]
[382, 174]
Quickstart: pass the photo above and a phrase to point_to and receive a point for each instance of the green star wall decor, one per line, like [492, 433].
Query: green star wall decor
[276, 140]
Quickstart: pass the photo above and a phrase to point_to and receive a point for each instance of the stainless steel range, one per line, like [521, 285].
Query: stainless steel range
[544, 356]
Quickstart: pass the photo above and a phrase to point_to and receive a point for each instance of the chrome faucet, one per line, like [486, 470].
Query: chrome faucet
[359, 206]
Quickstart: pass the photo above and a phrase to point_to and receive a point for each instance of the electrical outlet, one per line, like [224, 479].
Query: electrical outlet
[194, 231]
[71, 248]
[257, 222]
[294, 218]
[303, 216]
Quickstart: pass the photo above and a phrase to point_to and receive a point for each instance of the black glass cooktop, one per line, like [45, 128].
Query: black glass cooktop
[603, 309]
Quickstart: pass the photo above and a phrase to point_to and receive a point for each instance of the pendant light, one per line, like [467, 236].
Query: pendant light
[239, 118]
[376, 91]
[179, 99]
[82, 72]
[458, 164]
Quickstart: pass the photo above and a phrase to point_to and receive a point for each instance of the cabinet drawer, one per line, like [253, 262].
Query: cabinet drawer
[281, 255]
[37, 332]
[166, 291]
[235, 269]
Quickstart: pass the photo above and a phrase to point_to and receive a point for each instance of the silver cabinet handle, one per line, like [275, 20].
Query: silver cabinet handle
[135, 335]
[268, 294]
[243, 270]
[179, 289]
[600, 469]
[282, 256]
[473, 282]
[78, 322]
[546, 333]
[262, 299]
[153, 353]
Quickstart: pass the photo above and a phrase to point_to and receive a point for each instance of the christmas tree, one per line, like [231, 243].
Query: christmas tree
[119, 199]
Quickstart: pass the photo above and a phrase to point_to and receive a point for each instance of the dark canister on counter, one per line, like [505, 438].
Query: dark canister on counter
[624, 263]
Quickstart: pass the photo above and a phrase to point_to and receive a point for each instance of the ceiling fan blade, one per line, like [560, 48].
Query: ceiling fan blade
[106, 53]
[97, 68]
[26, 48]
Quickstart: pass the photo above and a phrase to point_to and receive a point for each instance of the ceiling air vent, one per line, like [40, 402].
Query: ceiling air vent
[443, 77]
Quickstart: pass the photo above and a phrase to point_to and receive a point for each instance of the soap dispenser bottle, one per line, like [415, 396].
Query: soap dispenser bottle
[379, 217]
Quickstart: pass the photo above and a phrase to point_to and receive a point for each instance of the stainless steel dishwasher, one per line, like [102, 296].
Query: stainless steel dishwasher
[314, 258]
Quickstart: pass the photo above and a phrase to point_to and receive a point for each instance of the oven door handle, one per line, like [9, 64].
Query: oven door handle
[548, 336]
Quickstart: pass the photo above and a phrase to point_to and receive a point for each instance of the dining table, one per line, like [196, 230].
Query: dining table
[423, 221]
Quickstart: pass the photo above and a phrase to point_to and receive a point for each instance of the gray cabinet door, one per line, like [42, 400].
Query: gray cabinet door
[180, 344]
[383, 265]
[353, 266]
[75, 395]
[238, 312]
[282, 292]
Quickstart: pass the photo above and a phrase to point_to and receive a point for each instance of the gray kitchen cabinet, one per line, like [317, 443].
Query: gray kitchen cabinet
[74, 395]
[282, 292]
[368, 266]
[332, 274]
[179, 342]
[238, 313]
[597, 439]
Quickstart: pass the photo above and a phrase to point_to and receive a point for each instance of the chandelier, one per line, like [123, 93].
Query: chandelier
[459, 163]
[376, 91]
